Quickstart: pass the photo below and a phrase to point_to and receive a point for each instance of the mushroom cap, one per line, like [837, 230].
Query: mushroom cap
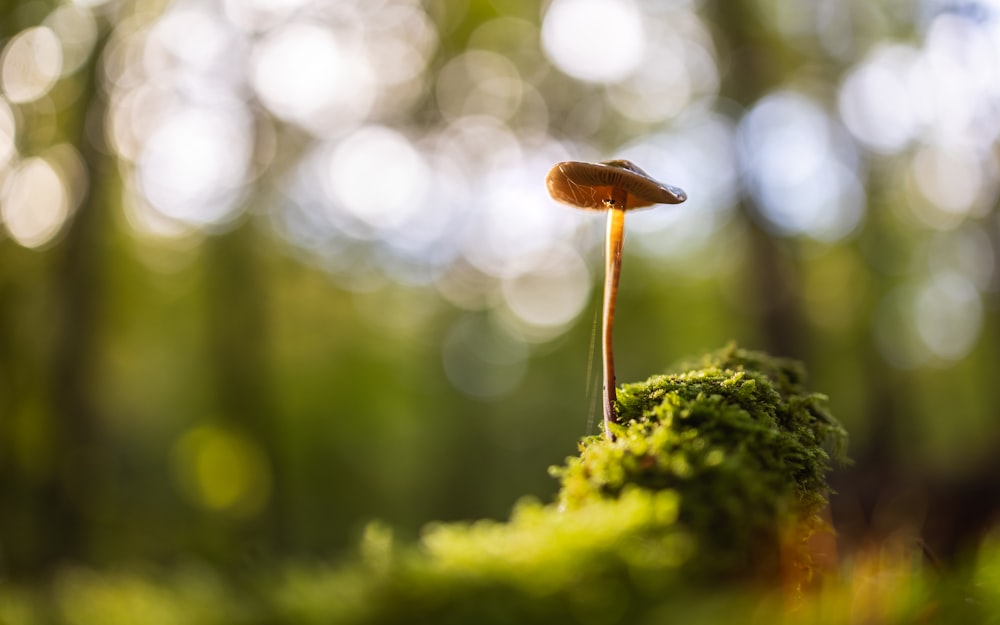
[592, 185]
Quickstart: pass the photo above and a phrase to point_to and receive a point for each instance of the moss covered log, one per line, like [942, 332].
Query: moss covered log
[743, 445]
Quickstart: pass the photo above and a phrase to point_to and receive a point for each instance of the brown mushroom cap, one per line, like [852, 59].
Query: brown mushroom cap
[592, 185]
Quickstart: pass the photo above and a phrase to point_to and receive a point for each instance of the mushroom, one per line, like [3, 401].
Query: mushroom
[615, 186]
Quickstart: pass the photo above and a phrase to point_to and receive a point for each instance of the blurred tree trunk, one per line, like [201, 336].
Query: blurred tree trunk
[755, 62]
[237, 301]
[11, 375]
[69, 501]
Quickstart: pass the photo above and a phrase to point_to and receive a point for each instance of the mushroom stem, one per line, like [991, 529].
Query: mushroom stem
[612, 271]
[615, 186]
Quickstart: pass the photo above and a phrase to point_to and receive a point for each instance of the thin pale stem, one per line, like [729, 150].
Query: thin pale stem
[612, 270]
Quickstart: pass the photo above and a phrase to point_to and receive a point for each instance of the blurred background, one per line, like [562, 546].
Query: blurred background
[270, 269]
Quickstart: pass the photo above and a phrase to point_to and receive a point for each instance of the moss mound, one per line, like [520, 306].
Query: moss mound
[740, 441]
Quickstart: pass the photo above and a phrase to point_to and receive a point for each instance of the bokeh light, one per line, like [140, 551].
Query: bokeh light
[30, 64]
[479, 83]
[955, 181]
[8, 134]
[594, 40]
[801, 167]
[76, 30]
[360, 183]
[221, 471]
[193, 166]
[678, 66]
[306, 74]
[876, 99]
[189, 68]
[547, 290]
[35, 202]
[934, 322]
[957, 80]
[400, 40]
[949, 315]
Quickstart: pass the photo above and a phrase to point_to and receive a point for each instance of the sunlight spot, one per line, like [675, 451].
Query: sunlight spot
[168, 45]
[72, 170]
[76, 30]
[936, 321]
[548, 290]
[949, 315]
[31, 63]
[222, 471]
[35, 202]
[134, 115]
[801, 167]
[306, 75]
[194, 165]
[952, 179]
[594, 40]
[876, 103]
[678, 66]
[8, 134]
[479, 83]
[378, 177]
[400, 42]
[956, 83]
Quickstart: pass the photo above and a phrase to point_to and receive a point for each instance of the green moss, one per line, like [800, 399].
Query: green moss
[740, 441]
